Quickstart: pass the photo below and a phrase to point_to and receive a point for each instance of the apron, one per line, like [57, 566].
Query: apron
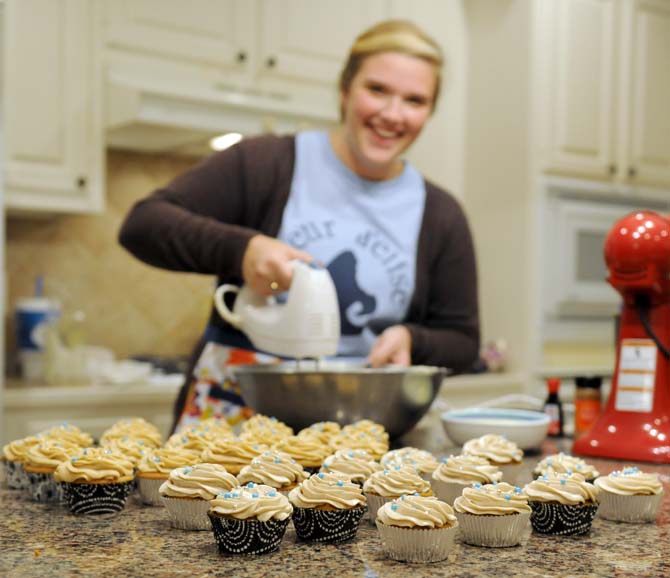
[212, 390]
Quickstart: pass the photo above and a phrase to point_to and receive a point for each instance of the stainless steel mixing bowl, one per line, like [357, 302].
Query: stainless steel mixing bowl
[306, 393]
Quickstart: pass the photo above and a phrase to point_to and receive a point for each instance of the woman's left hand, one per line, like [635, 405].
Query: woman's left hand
[393, 346]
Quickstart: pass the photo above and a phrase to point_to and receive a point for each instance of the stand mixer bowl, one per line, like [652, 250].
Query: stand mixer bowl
[344, 392]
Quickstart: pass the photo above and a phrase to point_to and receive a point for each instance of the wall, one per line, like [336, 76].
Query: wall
[130, 307]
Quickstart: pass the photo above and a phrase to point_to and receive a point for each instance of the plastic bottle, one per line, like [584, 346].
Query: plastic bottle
[587, 403]
[553, 408]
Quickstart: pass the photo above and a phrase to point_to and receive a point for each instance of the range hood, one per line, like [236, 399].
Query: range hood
[150, 117]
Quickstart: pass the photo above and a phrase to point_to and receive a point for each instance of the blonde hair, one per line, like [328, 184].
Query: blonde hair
[393, 36]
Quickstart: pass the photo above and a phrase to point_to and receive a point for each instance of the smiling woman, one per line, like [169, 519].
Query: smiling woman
[398, 248]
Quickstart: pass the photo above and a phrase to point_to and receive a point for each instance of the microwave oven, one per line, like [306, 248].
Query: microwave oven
[574, 271]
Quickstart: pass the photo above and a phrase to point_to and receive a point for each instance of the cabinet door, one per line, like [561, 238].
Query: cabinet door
[579, 36]
[54, 150]
[210, 32]
[646, 84]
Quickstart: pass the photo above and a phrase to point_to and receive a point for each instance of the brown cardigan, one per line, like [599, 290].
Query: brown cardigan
[202, 221]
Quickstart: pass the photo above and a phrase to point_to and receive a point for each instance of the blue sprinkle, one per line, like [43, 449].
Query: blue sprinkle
[517, 490]
[320, 476]
[227, 495]
[394, 507]
[74, 459]
[444, 460]
[250, 485]
[403, 497]
[545, 478]
[124, 439]
[495, 483]
[187, 470]
[398, 468]
[563, 482]
[508, 497]
[386, 472]
[324, 465]
[157, 459]
[416, 493]
[184, 439]
[579, 466]
[236, 494]
[272, 493]
[108, 452]
[550, 463]
[254, 495]
[255, 446]
[277, 461]
[477, 485]
[340, 483]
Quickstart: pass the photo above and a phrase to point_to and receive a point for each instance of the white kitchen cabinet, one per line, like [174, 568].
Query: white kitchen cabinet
[606, 90]
[53, 136]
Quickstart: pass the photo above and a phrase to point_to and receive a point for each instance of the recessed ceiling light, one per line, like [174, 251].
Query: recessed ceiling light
[223, 141]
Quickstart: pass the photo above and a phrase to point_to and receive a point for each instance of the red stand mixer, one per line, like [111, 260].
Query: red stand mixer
[635, 424]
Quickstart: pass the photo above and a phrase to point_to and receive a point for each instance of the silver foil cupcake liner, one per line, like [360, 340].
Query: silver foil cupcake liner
[374, 503]
[447, 491]
[44, 488]
[148, 488]
[562, 519]
[187, 514]
[96, 499]
[247, 537]
[492, 531]
[636, 508]
[417, 545]
[329, 526]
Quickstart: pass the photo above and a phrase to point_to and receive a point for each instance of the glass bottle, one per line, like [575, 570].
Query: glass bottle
[587, 403]
[553, 407]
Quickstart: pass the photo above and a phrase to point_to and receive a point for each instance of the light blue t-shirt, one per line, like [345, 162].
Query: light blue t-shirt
[365, 232]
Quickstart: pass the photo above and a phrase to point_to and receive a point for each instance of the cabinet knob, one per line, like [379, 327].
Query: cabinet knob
[241, 56]
[632, 172]
[271, 62]
[81, 182]
[611, 169]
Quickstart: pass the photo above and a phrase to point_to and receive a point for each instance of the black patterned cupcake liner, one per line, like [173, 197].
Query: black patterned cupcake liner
[247, 537]
[43, 488]
[16, 476]
[562, 519]
[96, 499]
[331, 526]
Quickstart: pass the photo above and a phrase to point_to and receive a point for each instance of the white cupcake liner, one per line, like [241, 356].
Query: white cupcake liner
[510, 472]
[638, 508]
[148, 488]
[187, 514]
[447, 491]
[374, 503]
[417, 545]
[492, 531]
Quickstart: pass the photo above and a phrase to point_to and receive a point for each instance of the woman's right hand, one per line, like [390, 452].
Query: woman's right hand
[266, 264]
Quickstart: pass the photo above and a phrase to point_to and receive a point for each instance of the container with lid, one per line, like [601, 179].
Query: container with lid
[587, 403]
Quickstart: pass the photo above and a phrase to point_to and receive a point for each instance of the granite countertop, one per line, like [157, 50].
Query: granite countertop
[40, 540]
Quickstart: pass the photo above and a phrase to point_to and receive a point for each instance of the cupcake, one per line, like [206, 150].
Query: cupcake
[261, 429]
[135, 428]
[389, 484]
[309, 452]
[422, 460]
[195, 440]
[96, 481]
[499, 452]
[250, 519]
[188, 490]
[562, 504]
[324, 431]
[13, 458]
[357, 464]
[417, 529]
[232, 453]
[69, 433]
[362, 435]
[629, 495]
[327, 508]
[564, 463]
[456, 473]
[493, 515]
[275, 469]
[130, 447]
[41, 463]
[155, 467]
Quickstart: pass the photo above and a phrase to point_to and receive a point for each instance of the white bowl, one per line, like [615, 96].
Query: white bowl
[525, 428]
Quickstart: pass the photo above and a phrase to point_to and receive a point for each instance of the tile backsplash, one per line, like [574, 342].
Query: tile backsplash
[130, 308]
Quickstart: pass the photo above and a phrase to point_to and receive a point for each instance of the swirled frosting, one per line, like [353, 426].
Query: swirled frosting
[95, 465]
[368, 426]
[375, 445]
[322, 430]
[164, 460]
[48, 454]
[499, 499]
[263, 429]
[16, 450]
[308, 451]
[335, 490]
[71, 434]
[133, 448]
[564, 463]
[630, 482]
[273, 468]
[214, 425]
[466, 470]
[394, 482]
[568, 489]
[203, 481]
[421, 459]
[494, 448]
[417, 512]
[137, 428]
[357, 464]
[232, 453]
[194, 439]
[253, 501]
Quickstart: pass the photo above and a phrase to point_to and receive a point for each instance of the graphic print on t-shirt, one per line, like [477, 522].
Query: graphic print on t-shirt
[356, 306]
